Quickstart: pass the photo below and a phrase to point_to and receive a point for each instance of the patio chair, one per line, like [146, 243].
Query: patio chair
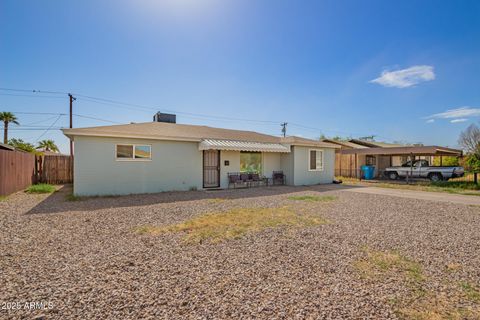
[255, 179]
[278, 178]
[234, 179]
[245, 179]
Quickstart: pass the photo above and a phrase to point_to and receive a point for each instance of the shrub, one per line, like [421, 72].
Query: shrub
[41, 188]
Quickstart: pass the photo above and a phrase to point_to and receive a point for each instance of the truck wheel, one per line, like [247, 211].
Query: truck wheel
[392, 175]
[435, 177]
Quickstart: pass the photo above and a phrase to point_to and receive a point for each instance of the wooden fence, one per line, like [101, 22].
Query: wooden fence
[17, 171]
[56, 169]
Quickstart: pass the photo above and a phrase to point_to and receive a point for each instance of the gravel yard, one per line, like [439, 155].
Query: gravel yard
[378, 257]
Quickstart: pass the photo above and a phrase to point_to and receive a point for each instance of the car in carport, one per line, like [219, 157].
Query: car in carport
[422, 169]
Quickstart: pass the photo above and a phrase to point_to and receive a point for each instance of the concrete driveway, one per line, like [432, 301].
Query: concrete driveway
[420, 195]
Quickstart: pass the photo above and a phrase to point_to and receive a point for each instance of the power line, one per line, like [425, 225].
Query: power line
[148, 109]
[33, 90]
[58, 118]
[64, 114]
[94, 118]
[40, 121]
[144, 108]
[34, 129]
[29, 96]
[46, 113]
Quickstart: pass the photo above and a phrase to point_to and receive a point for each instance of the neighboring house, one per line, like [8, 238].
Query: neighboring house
[382, 162]
[349, 165]
[4, 146]
[355, 153]
[51, 153]
[159, 156]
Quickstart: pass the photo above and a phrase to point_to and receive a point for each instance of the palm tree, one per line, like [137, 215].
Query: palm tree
[47, 145]
[7, 117]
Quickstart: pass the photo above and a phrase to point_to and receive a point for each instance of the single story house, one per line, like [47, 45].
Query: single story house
[160, 156]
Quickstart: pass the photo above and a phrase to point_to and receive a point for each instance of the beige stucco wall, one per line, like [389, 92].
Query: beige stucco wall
[302, 176]
[398, 160]
[174, 166]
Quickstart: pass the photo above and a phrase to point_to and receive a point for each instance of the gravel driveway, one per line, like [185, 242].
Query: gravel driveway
[83, 259]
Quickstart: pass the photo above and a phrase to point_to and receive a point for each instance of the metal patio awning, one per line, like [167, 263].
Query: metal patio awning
[214, 144]
[407, 150]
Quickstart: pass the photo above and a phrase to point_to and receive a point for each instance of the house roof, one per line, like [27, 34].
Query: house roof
[345, 143]
[184, 132]
[51, 153]
[299, 141]
[374, 144]
[6, 147]
[407, 150]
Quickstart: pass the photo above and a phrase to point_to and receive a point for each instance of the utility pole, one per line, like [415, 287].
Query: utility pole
[72, 98]
[284, 129]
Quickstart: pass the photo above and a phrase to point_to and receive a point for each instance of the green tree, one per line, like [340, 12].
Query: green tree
[446, 161]
[47, 145]
[21, 145]
[7, 117]
[470, 142]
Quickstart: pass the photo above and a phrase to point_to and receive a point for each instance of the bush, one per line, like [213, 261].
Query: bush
[41, 188]
[446, 161]
[467, 185]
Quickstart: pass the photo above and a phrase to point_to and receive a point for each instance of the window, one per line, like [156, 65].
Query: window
[251, 162]
[142, 152]
[133, 152]
[124, 151]
[370, 160]
[315, 160]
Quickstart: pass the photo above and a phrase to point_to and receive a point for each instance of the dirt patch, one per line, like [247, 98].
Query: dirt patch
[419, 301]
[233, 224]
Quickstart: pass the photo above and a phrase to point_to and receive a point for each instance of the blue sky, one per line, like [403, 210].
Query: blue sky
[309, 63]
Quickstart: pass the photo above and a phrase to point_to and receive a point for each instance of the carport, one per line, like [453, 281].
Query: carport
[410, 152]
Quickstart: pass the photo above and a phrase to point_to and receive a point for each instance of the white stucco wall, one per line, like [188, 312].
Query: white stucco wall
[234, 166]
[271, 162]
[174, 166]
[287, 165]
[302, 176]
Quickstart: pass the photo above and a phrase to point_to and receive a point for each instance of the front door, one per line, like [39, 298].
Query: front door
[211, 168]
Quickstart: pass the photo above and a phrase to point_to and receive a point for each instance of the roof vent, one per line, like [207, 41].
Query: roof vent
[165, 117]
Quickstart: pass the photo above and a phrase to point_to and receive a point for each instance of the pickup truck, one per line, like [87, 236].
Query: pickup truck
[422, 169]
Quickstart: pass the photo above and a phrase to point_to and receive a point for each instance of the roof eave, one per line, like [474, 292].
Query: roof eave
[73, 134]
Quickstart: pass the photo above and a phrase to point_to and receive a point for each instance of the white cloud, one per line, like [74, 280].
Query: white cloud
[406, 77]
[462, 112]
[430, 121]
[458, 120]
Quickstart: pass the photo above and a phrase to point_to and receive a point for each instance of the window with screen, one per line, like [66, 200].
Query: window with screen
[133, 152]
[315, 160]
